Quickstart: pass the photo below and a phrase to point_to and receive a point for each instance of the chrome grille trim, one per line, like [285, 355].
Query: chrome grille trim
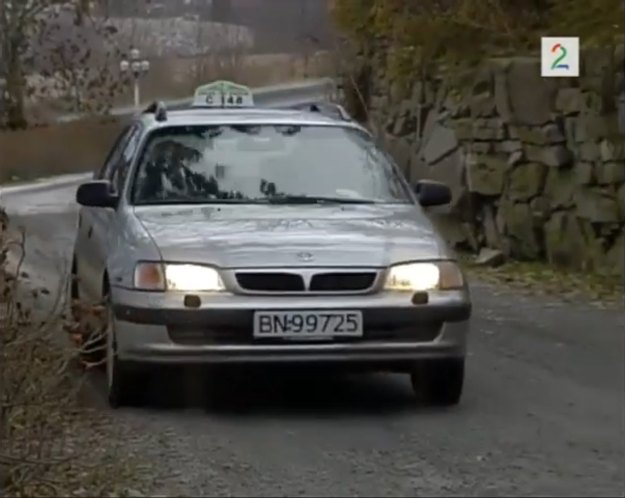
[232, 279]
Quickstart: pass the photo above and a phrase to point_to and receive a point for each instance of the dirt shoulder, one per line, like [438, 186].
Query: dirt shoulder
[541, 279]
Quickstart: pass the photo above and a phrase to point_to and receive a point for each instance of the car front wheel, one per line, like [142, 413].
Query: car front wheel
[124, 385]
[439, 382]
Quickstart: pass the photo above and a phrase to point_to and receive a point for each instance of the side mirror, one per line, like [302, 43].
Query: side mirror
[432, 193]
[97, 193]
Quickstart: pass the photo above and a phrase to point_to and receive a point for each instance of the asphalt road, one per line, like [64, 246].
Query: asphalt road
[543, 413]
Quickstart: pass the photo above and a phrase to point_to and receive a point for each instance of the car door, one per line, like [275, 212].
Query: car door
[107, 221]
[93, 223]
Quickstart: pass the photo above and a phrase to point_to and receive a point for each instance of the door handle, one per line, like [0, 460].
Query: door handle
[89, 232]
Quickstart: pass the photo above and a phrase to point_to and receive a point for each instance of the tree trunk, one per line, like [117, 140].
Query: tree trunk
[15, 90]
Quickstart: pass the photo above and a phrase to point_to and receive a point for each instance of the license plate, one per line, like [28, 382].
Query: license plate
[307, 324]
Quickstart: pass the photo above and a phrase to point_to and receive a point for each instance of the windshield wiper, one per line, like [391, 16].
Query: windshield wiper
[282, 199]
[309, 199]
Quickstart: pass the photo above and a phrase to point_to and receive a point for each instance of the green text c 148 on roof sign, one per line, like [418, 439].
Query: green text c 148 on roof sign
[223, 94]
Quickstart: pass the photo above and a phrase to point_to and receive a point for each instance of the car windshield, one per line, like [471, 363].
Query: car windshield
[264, 164]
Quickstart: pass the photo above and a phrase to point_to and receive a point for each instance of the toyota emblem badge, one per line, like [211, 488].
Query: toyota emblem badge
[304, 256]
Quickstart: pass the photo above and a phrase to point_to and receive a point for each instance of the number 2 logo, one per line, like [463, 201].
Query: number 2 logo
[557, 63]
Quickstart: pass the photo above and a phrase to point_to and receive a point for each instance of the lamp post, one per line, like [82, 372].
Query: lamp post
[137, 67]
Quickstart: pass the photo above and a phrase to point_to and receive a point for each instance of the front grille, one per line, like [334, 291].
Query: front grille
[348, 281]
[270, 282]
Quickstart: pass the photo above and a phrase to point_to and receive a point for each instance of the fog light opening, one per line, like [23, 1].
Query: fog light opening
[192, 301]
[420, 298]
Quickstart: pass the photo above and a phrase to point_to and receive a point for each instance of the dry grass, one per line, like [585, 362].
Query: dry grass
[82, 146]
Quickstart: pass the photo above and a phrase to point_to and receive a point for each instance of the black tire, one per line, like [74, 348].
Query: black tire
[73, 283]
[127, 387]
[439, 382]
[125, 384]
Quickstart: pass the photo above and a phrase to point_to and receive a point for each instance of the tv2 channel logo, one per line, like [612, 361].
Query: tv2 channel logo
[559, 56]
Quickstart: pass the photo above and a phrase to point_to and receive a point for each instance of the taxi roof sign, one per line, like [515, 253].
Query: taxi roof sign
[223, 94]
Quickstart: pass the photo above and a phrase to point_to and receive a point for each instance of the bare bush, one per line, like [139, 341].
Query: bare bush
[58, 46]
[80, 65]
[177, 38]
[40, 410]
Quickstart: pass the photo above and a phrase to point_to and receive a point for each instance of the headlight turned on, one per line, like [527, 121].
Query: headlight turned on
[154, 276]
[425, 276]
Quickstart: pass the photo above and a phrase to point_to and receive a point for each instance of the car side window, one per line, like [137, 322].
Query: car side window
[120, 171]
[113, 156]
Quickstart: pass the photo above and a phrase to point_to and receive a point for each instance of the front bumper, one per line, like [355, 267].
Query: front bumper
[158, 328]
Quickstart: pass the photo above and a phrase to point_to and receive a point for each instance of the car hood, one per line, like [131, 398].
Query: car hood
[253, 236]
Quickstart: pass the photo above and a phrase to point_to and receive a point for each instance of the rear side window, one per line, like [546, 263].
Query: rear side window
[125, 159]
[104, 172]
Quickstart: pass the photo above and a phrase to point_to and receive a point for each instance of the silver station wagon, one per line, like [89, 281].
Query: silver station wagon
[226, 233]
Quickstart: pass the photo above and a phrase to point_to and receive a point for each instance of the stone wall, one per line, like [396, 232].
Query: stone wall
[537, 165]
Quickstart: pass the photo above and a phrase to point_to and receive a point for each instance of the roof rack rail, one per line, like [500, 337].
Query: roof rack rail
[159, 110]
[328, 109]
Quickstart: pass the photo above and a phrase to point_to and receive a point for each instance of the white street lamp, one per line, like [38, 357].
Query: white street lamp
[137, 68]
